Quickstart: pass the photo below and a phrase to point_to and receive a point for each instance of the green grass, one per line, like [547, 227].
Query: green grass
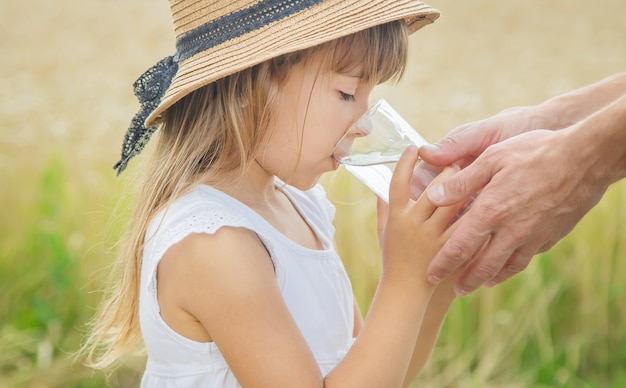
[558, 324]
[53, 244]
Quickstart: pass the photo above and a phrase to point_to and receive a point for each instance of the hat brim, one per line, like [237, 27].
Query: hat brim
[318, 24]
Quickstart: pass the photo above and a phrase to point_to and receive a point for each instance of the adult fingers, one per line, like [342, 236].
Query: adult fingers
[424, 206]
[484, 267]
[423, 174]
[460, 142]
[465, 241]
[463, 184]
[501, 258]
[399, 187]
[445, 216]
[518, 262]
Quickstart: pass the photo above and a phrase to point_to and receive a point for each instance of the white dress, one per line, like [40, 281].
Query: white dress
[313, 284]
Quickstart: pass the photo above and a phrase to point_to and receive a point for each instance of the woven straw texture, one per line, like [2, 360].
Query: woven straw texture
[322, 22]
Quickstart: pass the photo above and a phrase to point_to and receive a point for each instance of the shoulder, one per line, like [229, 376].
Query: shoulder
[202, 210]
[206, 275]
[229, 247]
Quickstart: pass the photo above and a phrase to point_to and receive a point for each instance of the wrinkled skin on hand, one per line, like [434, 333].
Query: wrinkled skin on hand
[466, 142]
[533, 191]
[538, 170]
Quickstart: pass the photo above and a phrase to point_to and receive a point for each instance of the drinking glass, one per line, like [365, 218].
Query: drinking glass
[372, 146]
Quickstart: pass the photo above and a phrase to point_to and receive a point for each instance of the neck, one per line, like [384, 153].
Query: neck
[255, 187]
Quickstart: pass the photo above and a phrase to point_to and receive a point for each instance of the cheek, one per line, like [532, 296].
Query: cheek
[279, 152]
[337, 128]
[318, 134]
[327, 125]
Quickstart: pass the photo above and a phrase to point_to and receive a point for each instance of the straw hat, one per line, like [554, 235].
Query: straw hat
[216, 38]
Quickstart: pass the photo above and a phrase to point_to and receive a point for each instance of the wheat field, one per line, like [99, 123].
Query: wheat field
[66, 100]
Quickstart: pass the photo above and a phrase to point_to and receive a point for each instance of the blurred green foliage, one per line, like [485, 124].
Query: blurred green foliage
[45, 298]
[558, 324]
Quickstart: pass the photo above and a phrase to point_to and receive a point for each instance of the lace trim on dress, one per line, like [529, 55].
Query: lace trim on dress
[208, 222]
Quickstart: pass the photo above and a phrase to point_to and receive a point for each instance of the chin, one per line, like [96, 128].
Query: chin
[302, 184]
[305, 187]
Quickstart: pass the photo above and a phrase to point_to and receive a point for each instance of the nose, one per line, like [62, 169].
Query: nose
[363, 126]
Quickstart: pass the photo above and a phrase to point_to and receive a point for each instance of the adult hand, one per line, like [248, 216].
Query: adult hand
[533, 191]
[416, 225]
[464, 143]
[534, 185]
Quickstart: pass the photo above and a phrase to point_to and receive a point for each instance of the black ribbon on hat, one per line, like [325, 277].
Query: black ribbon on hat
[149, 89]
[153, 84]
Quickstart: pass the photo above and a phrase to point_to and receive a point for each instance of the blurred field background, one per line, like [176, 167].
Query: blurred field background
[65, 101]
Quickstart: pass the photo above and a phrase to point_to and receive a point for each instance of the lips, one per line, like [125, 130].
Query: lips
[336, 163]
[343, 149]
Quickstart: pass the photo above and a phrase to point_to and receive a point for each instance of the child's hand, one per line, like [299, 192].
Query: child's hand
[412, 231]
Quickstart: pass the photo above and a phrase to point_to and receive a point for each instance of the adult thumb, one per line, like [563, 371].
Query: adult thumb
[462, 142]
[460, 186]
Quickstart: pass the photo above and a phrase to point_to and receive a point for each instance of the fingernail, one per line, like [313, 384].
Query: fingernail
[435, 193]
[491, 284]
[433, 279]
[460, 292]
[432, 148]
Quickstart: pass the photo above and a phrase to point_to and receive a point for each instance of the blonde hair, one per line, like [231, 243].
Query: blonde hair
[209, 135]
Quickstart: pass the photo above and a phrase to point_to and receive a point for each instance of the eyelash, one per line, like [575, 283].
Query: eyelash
[347, 97]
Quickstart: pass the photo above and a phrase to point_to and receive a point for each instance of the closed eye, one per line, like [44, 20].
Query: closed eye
[347, 97]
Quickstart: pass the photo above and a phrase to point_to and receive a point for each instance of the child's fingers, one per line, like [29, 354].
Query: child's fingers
[451, 227]
[399, 188]
[427, 208]
[445, 216]
[423, 174]
[448, 215]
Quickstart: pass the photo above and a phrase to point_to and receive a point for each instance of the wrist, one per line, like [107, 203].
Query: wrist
[618, 138]
[445, 292]
[567, 109]
[557, 113]
[599, 140]
[407, 282]
[442, 298]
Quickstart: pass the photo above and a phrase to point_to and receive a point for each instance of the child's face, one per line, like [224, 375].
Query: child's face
[314, 111]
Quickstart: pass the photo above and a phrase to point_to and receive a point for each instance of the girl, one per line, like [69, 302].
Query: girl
[230, 270]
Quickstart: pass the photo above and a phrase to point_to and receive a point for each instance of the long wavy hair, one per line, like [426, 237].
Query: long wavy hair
[206, 137]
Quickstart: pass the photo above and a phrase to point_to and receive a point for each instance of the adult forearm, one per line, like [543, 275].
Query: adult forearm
[464, 143]
[569, 108]
[599, 142]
